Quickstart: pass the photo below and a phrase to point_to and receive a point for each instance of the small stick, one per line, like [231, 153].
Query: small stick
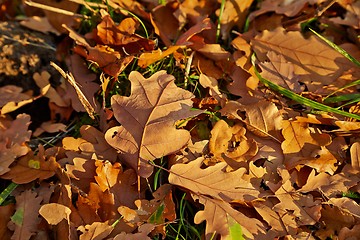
[70, 78]
[53, 9]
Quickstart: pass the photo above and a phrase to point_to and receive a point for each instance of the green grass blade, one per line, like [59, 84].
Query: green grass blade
[300, 99]
[337, 48]
[354, 83]
[218, 27]
[7, 191]
[342, 98]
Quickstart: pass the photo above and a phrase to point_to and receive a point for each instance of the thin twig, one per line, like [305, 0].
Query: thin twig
[70, 78]
[53, 9]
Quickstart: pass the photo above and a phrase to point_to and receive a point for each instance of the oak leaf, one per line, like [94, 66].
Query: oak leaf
[55, 213]
[95, 231]
[12, 93]
[351, 17]
[216, 214]
[280, 72]
[143, 232]
[147, 118]
[29, 167]
[301, 143]
[213, 181]
[25, 220]
[262, 118]
[316, 63]
[123, 35]
[330, 186]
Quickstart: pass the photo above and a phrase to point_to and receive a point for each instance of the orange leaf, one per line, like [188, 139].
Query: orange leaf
[29, 168]
[55, 213]
[146, 59]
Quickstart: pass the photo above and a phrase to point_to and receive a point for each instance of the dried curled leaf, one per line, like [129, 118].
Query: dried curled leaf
[147, 120]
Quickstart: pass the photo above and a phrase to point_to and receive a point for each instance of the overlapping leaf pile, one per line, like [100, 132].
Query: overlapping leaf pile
[253, 160]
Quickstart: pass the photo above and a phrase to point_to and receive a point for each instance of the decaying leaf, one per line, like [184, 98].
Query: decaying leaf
[25, 220]
[147, 118]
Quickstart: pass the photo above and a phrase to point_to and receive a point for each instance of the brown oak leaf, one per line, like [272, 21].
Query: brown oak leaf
[216, 214]
[31, 167]
[316, 63]
[25, 220]
[213, 181]
[147, 118]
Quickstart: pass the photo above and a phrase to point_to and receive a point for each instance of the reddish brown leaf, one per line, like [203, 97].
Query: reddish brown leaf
[123, 35]
[25, 220]
[5, 213]
[29, 168]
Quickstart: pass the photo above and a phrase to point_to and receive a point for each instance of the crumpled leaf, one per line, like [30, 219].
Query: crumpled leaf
[25, 220]
[224, 138]
[147, 120]
[122, 35]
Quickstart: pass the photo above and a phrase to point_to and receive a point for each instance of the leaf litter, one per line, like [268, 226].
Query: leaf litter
[177, 108]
